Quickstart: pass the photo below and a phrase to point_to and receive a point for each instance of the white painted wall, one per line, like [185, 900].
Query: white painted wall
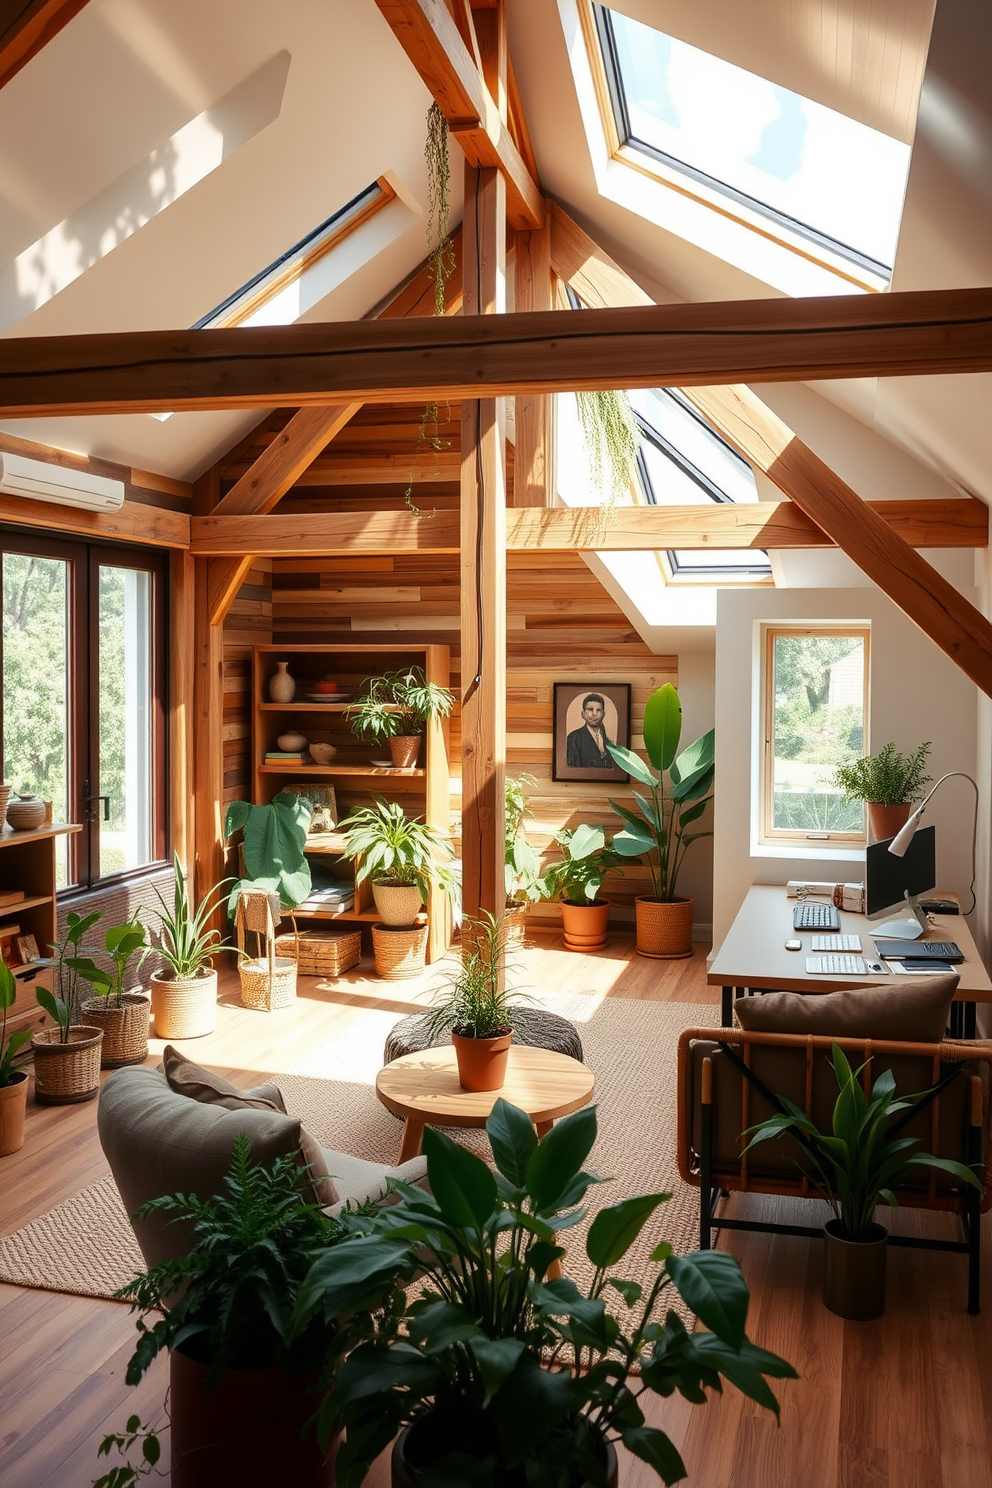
[917, 693]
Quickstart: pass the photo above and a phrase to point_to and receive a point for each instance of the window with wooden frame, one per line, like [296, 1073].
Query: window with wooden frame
[814, 717]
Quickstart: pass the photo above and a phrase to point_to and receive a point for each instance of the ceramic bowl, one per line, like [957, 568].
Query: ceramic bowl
[322, 754]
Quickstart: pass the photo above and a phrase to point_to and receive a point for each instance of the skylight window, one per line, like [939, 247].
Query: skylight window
[829, 181]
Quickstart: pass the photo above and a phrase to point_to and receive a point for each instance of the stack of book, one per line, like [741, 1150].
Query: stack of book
[329, 894]
[287, 757]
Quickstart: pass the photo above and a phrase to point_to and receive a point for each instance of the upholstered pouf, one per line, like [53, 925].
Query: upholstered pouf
[537, 1029]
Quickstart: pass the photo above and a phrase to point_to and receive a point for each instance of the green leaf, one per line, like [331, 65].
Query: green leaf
[633, 764]
[662, 726]
[630, 1291]
[654, 1447]
[711, 1283]
[55, 1008]
[558, 1159]
[462, 1184]
[513, 1138]
[585, 840]
[497, 1358]
[151, 1451]
[632, 845]
[8, 986]
[614, 1230]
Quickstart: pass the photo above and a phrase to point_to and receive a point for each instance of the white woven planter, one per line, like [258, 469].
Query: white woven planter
[397, 904]
[184, 1007]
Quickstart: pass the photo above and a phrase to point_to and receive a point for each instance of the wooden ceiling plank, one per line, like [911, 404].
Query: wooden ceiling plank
[326, 534]
[26, 28]
[770, 340]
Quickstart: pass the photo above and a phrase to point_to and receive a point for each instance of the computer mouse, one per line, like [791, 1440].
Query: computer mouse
[793, 945]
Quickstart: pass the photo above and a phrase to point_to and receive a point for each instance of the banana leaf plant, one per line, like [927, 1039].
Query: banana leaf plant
[273, 848]
[17, 1040]
[678, 794]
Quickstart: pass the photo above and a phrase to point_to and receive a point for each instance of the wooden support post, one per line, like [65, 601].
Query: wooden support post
[533, 465]
[483, 567]
[182, 751]
[208, 724]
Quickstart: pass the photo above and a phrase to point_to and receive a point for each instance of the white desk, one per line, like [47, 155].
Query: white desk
[753, 956]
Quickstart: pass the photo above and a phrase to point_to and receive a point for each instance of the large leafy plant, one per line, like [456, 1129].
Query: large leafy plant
[578, 876]
[121, 943]
[523, 882]
[9, 1046]
[274, 837]
[860, 1160]
[392, 848]
[398, 703]
[678, 794]
[186, 941]
[888, 778]
[467, 1356]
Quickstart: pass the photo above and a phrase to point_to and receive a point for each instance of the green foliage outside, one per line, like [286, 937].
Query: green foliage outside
[812, 736]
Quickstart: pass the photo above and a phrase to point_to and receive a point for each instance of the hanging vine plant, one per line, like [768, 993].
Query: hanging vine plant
[440, 267]
[609, 430]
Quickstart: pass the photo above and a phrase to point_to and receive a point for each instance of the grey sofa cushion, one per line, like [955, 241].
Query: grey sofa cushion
[359, 1181]
[905, 1009]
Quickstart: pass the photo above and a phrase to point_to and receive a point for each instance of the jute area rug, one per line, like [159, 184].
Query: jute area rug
[86, 1246]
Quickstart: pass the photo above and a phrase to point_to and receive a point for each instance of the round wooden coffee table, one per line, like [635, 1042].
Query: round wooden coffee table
[423, 1088]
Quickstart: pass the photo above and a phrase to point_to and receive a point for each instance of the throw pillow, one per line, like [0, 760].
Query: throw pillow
[907, 1010]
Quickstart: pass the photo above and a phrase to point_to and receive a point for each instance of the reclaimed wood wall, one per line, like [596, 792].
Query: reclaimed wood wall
[248, 623]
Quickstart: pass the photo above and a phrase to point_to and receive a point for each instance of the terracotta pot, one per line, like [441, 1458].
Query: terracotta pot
[854, 1273]
[482, 1062]
[244, 1429]
[664, 927]
[400, 951]
[584, 925]
[404, 1475]
[397, 904]
[404, 750]
[13, 1106]
[66, 1074]
[125, 1028]
[184, 1007]
[886, 821]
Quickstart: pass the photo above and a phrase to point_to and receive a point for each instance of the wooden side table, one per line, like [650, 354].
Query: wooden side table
[423, 1088]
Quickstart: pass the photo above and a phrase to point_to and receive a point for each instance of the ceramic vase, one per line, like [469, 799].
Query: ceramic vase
[282, 687]
[24, 813]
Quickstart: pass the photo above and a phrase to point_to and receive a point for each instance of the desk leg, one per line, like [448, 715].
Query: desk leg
[970, 1010]
[413, 1135]
[554, 1270]
[956, 1020]
[727, 1007]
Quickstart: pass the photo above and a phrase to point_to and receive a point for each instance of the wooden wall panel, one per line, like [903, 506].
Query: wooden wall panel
[561, 626]
[248, 623]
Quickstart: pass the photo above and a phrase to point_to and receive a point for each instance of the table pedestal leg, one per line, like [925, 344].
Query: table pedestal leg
[413, 1135]
[542, 1128]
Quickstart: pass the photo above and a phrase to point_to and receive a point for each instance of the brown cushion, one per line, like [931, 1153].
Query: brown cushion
[211, 1089]
[907, 1009]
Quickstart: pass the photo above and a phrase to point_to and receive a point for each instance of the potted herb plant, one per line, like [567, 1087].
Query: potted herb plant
[241, 1387]
[523, 883]
[395, 709]
[889, 782]
[678, 796]
[475, 1006]
[856, 1166]
[122, 1014]
[461, 1363]
[576, 880]
[13, 1082]
[66, 1056]
[184, 990]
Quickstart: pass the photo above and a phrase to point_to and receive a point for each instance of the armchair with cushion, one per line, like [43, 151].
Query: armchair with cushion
[172, 1131]
[730, 1081]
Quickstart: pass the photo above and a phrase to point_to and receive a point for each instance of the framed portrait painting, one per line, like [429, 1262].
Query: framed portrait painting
[587, 717]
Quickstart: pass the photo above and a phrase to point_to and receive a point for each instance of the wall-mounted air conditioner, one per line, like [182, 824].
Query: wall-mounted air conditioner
[21, 477]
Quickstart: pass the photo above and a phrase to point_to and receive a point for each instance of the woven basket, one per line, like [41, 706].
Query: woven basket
[327, 953]
[4, 798]
[185, 1007]
[514, 923]
[400, 950]
[125, 1029]
[268, 981]
[397, 904]
[65, 1074]
[664, 928]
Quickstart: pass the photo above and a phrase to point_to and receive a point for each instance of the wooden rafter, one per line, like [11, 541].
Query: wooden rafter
[894, 335]
[957, 627]
[28, 25]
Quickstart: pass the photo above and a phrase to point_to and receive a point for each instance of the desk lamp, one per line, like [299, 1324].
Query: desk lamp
[904, 837]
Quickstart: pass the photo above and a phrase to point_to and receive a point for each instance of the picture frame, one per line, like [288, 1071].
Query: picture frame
[27, 948]
[322, 798]
[576, 751]
[9, 953]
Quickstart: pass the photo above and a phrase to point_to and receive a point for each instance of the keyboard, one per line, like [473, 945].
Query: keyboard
[836, 965]
[918, 950]
[835, 943]
[813, 916]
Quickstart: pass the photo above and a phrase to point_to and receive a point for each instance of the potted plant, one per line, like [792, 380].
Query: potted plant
[475, 1006]
[461, 1363]
[13, 1082]
[276, 876]
[523, 883]
[122, 1014]
[856, 1166]
[67, 1056]
[241, 1388]
[184, 990]
[395, 708]
[889, 782]
[576, 880]
[657, 833]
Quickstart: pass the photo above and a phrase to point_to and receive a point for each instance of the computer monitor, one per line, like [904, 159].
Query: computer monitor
[892, 883]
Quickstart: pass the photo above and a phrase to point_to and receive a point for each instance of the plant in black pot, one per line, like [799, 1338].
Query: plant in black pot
[856, 1166]
[499, 1376]
[242, 1385]
[576, 880]
[476, 1007]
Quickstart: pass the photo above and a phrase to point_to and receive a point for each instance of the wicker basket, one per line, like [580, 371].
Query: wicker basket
[125, 1028]
[664, 928]
[268, 981]
[65, 1074]
[400, 950]
[4, 798]
[185, 1007]
[327, 953]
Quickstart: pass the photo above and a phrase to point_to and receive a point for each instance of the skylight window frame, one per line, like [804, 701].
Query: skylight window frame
[817, 248]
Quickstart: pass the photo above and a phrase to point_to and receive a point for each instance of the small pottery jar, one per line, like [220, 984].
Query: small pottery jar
[292, 740]
[282, 687]
[24, 813]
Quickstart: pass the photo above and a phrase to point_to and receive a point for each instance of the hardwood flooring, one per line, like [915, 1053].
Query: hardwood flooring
[905, 1402]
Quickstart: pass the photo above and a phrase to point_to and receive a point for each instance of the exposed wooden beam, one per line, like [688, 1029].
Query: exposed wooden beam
[954, 625]
[208, 726]
[28, 25]
[182, 738]
[892, 335]
[329, 534]
[534, 462]
[431, 40]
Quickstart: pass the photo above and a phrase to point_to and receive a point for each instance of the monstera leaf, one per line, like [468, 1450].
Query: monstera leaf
[274, 839]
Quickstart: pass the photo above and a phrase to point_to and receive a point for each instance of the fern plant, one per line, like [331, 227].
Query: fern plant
[887, 778]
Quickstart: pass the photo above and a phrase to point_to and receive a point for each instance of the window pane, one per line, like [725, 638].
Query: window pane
[817, 724]
[125, 718]
[36, 683]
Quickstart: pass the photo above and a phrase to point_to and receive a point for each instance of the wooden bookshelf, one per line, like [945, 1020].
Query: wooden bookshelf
[27, 861]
